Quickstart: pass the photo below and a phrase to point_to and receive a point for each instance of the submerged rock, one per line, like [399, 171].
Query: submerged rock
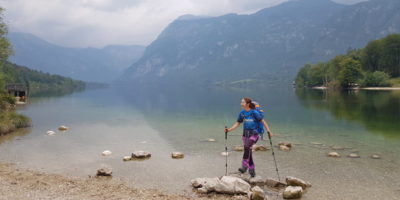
[334, 154]
[260, 148]
[224, 153]
[141, 155]
[274, 183]
[315, 143]
[337, 148]
[177, 155]
[257, 193]
[353, 155]
[50, 133]
[285, 146]
[104, 171]
[292, 181]
[238, 148]
[127, 158]
[210, 140]
[106, 153]
[375, 156]
[232, 185]
[293, 192]
[63, 128]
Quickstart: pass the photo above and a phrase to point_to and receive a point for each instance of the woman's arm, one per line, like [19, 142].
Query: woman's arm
[267, 127]
[234, 126]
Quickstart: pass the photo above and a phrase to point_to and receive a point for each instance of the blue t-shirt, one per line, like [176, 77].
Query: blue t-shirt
[250, 119]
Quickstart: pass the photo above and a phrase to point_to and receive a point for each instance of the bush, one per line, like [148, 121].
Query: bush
[376, 79]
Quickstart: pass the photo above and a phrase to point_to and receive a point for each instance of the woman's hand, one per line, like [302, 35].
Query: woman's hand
[226, 130]
[270, 134]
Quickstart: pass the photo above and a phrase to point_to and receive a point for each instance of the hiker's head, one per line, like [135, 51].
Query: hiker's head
[247, 103]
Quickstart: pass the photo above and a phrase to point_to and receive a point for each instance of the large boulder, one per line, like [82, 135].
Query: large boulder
[257, 193]
[292, 181]
[141, 155]
[257, 180]
[232, 185]
[293, 192]
[104, 171]
[205, 184]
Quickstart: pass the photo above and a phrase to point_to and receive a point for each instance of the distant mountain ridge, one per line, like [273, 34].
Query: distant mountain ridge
[269, 45]
[87, 64]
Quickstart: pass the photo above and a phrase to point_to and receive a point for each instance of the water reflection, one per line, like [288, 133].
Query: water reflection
[378, 111]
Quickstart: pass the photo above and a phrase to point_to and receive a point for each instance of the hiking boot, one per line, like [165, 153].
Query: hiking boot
[252, 173]
[242, 170]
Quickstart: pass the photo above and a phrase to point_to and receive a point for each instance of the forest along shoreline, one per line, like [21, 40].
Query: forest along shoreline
[16, 183]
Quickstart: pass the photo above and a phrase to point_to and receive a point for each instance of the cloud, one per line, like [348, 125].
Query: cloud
[96, 23]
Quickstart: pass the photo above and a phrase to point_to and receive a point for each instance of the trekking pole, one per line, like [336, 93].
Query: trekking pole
[226, 151]
[273, 155]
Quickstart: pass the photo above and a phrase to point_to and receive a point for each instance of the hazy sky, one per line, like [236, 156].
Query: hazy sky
[96, 23]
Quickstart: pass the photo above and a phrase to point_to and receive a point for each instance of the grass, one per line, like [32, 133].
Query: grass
[395, 82]
[9, 119]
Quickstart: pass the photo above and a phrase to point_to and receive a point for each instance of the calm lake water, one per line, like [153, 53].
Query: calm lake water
[124, 120]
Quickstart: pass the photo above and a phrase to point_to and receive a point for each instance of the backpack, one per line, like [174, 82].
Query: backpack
[260, 111]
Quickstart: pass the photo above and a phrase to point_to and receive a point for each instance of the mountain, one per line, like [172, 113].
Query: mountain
[269, 45]
[88, 64]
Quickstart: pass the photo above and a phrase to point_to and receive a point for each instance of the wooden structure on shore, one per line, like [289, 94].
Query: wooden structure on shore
[19, 91]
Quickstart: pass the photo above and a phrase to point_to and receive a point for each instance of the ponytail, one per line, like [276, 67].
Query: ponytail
[250, 102]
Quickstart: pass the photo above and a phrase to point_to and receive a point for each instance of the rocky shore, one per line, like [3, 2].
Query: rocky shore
[18, 183]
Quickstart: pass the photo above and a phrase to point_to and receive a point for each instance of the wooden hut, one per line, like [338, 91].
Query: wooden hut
[20, 91]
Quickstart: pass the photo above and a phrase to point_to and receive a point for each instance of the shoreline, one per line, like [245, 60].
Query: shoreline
[358, 88]
[17, 183]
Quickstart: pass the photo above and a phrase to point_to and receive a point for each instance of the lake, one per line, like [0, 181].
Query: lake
[124, 120]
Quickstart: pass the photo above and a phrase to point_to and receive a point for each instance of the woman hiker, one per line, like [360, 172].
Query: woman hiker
[250, 117]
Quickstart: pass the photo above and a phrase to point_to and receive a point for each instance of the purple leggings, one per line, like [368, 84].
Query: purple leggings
[248, 142]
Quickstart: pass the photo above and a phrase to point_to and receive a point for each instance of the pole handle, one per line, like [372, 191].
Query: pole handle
[226, 133]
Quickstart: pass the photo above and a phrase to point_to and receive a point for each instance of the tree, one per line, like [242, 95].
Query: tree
[376, 79]
[390, 60]
[350, 72]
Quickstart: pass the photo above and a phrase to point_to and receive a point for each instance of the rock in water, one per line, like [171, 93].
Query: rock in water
[127, 158]
[177, 155]
[353, 155]
[257, 180]
[257, 193]
[63, 128]
[104, 171]
[259, 148]
[337, 148]
[288, 144]
[284, 148]
[334, 154]
[141, 154]
[274, 183]
[232, 185]
[238, 148]
[50, 133]
[106, 153]
[375, 156]
[293, 192]
[224, 153]
[210, 140]
[292, 181]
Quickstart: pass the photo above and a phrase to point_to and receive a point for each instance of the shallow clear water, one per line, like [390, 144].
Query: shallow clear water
[123, 120]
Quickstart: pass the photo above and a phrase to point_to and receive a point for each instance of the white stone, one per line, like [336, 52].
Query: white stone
[210, 140]
[232, 185]
[50, 133]
[353, 155]
[274, 183]
[224, 153]
[334, 154]
[177, 155]
[127, 158]
[106, 153]
[293, 192]
[258, 180]
[375, 156]
[207, 184]
[284, 148]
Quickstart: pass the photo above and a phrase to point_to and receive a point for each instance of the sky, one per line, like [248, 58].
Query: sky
[97, 23]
